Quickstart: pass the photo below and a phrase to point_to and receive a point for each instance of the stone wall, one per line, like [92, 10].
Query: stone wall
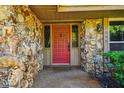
[91, 44]
[21, 53]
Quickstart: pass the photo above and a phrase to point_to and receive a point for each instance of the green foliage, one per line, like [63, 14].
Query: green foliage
[118, 75]
[112, 30]
[116, 65]
[116, 56]
[122, 27]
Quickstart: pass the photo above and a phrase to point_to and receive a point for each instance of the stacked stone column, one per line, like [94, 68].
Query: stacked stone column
[21, 52]
[91, 40]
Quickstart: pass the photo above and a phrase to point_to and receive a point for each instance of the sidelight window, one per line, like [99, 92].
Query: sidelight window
[74, 35]
[47, 36]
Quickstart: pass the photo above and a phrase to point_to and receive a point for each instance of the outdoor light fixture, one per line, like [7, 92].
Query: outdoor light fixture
[99, 27]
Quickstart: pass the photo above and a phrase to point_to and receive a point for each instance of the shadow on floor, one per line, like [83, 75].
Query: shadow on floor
[64, 78]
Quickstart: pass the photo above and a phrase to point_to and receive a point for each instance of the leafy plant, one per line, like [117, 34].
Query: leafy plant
[116, 64]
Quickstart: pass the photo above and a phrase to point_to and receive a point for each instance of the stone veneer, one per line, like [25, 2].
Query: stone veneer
[21, 53]
[91, 40]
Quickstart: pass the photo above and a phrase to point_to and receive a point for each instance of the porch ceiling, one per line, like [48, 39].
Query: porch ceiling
[49, 13]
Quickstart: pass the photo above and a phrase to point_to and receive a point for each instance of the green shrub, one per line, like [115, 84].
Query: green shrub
[116, 65]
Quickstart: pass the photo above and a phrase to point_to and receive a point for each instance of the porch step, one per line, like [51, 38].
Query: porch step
[61, 67]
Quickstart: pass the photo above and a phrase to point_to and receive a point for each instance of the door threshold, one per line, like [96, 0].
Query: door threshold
[61, 66]
[55, 65]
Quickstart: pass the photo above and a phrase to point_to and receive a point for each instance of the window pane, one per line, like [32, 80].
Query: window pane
[47, 36]
[116, 30]
[116, 46]
[74, 36]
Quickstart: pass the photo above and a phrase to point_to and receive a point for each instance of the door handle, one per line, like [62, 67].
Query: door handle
[68, 46]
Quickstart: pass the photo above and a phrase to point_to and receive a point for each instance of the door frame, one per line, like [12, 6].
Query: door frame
[69, 23]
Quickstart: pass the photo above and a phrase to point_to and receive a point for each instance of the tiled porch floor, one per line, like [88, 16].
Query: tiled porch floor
[61, 78]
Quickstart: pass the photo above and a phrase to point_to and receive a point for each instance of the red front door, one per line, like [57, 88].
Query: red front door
[61, 44]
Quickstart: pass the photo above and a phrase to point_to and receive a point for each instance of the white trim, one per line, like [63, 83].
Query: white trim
[116, 41]
[105, 37]
[72, 8]
[108, 36]
[51, 43]
[116, 19]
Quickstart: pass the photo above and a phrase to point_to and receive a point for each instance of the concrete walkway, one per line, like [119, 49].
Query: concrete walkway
[64, 78]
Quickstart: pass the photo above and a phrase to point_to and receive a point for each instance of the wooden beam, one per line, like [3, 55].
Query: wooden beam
[64, 8]
[60, 21]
